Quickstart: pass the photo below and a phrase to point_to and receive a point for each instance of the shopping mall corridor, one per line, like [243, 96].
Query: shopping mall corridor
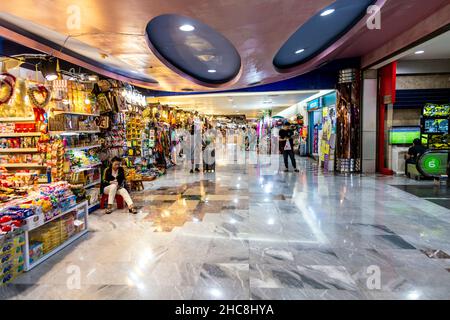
[242, 233]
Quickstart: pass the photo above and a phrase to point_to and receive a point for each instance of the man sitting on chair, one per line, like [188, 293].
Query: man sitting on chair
[114, 181]
[414, 153]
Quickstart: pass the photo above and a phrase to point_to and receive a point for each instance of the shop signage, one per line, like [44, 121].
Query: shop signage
[313, 105]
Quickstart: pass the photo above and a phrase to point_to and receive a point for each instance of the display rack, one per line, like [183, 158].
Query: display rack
[18, 150]
[83, 148]
[22, 165]
[73, 132]
[81, 207]
[76, 113]
[19, 134]
[87, 168]
[92, 184]
[17, 119]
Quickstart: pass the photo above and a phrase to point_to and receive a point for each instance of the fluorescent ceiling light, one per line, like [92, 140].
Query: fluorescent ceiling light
[187, 28]
[327, 12]
[419, 52]
[299, 51]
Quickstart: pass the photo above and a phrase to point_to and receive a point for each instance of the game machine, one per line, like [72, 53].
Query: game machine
[400, 139]
[436, 137]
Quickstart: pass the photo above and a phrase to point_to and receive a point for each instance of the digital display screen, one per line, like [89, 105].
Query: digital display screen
[434, 110]
[436, 126]
[403, 135]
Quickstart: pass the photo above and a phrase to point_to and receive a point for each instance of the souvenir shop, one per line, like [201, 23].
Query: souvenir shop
[58, 132]
[322, 130]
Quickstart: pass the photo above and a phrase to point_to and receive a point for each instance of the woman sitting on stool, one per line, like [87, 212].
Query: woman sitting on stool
[114, 180]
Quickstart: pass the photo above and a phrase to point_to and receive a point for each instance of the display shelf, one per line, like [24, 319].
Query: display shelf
[76, 207]
[17, 150]
[21, 165]
[74, 132]
[87, 168]
[83, 148]
[94, 205]
[28, 265]
[17, 119]
[19, 134]
[93, 184]
[76, 113]
[57, 249]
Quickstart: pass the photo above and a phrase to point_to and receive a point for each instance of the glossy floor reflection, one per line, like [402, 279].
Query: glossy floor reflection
[247, 233]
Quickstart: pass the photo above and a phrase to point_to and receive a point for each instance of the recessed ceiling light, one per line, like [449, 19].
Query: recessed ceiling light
[419, 52]
[51, 77]
[187, 28]
[212, 71]
[327, 12]
[299, 51]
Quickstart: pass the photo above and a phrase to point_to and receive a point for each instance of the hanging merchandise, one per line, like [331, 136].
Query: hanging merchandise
[39, 96]
[17, 105]
[7, 83]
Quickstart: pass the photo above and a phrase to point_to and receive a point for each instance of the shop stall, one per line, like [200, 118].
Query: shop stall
[322, 130]
[56, 137]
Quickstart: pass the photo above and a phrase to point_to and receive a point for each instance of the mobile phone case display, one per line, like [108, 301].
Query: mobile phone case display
[72, 123]
[113, 138]
[82, 141]
[134, 136]
[435, 130]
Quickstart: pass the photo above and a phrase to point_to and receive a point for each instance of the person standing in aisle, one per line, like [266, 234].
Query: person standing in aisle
[114, 183]
[287, 146]
[196, 147]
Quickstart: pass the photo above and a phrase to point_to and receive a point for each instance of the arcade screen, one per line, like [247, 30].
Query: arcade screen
[439, 126]
[434, 110]
[403, 135]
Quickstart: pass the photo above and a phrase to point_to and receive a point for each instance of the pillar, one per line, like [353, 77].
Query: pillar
[369, 121]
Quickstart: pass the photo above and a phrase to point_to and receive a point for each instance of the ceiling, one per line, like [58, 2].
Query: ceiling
[435, 49]
[109, 37]
[250, 104]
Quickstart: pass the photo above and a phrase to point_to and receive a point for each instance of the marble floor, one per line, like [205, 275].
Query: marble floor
[248, 233]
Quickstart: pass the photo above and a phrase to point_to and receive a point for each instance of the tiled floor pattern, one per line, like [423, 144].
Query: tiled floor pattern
[241, 233]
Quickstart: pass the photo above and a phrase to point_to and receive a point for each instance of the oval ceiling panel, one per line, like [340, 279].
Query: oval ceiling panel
[320, 31]
[193, 48]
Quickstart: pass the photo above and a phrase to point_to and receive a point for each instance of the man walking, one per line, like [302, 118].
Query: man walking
[287, 146]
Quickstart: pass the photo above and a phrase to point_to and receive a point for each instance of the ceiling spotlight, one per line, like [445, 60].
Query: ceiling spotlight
[49, 69]
[299, 51]
[327, 12]
[419, 52]
[187, 28]
[212, 71]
